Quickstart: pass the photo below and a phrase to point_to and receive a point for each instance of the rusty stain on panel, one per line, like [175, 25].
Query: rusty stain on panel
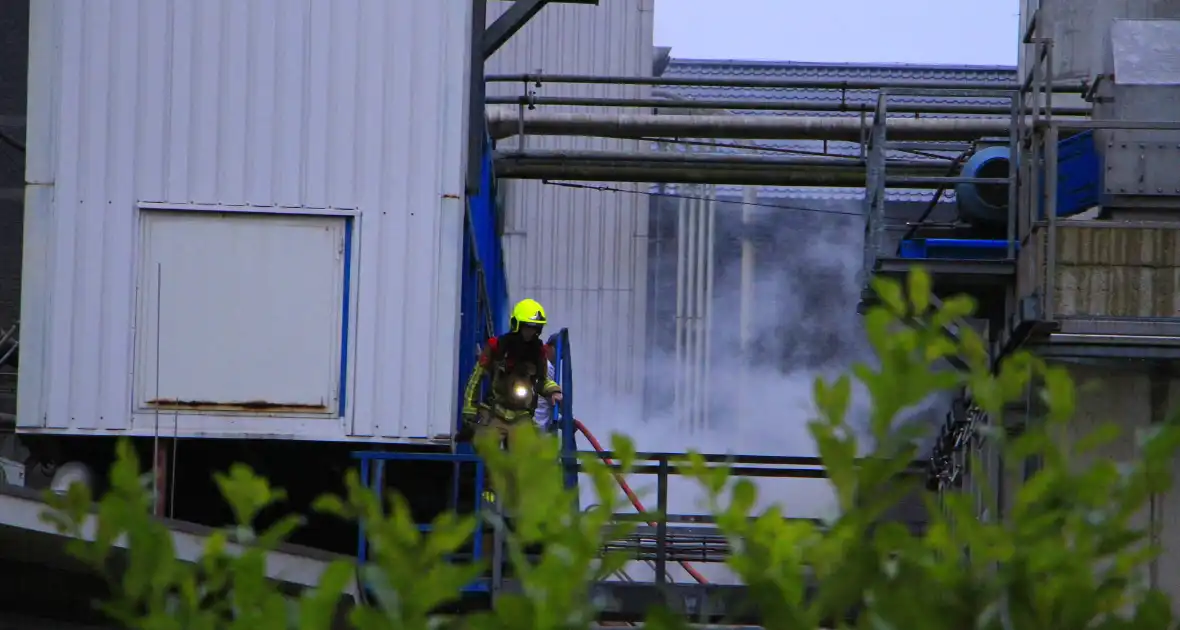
[261, 406]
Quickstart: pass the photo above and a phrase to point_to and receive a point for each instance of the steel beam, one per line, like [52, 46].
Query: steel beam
[476, 92]
[957, 273]
[514, 19]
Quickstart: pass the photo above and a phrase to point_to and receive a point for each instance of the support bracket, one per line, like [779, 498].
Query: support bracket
[512, 20]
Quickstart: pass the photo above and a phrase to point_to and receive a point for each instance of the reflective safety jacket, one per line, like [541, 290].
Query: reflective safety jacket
[519, 376]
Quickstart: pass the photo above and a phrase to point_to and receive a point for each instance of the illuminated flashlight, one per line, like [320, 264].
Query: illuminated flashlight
[520, 391]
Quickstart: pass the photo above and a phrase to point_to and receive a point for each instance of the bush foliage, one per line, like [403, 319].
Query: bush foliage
[1068, 553]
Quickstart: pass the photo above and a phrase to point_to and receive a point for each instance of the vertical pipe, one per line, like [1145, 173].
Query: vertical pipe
[700, 325]
[362, 551]
[160, 478]
[746, 316]
[662, 523]
[681, 261]
[690, 290]
[707, 405]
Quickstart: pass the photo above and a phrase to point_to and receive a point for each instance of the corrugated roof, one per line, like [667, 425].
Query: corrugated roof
[786, 70]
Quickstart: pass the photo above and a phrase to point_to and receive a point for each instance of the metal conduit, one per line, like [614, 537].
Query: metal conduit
[862, 84]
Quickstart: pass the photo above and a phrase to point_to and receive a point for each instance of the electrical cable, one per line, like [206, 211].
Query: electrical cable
[12, 141]
[581, 428]
[765, 148]
[549, 182]
[963, 157]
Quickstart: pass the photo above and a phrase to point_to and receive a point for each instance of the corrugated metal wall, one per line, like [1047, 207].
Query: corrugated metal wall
[583, 253]
[325, 104]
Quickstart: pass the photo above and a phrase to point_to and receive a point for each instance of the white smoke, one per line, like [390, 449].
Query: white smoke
[807, 291]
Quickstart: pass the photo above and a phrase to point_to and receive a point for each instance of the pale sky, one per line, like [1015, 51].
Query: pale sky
[968, 32]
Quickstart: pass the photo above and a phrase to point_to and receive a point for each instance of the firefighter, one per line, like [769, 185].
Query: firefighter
[517, 363]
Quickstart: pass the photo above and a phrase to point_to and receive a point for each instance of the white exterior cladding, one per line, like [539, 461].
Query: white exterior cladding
[583, 253]
[277, 183]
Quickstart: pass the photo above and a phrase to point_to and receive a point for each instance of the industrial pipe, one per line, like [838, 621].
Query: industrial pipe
[717, 159]
[772, 106]
[819, 84]
[686, 168]
[504, 122]
[710, 279]
[746, 305]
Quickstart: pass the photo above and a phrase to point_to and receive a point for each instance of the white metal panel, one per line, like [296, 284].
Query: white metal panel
[336, 107]
[222, 328]
[583, 251]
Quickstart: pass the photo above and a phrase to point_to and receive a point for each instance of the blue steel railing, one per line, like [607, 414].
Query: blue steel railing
[563, 414]
[373, 476]
[372, 463]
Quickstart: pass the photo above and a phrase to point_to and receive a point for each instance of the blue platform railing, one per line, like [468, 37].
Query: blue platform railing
[373, 477]
[564, 414]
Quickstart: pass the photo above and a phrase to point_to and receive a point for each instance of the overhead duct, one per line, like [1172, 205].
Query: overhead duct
[507, 121]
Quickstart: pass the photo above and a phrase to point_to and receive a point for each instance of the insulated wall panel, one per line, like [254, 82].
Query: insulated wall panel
[337, 109]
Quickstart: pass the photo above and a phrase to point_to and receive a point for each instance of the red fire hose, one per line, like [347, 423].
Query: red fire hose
[631, 495]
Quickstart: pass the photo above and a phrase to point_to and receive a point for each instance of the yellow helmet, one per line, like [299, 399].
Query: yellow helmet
[527, 312]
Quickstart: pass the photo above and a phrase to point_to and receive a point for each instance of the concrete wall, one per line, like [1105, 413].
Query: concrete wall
[1107, 269]
[582, 252]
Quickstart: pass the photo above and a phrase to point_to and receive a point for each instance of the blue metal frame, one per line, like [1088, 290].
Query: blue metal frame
[955, 248]
[346, 314]
[484, 299]
[373, 476]
[564, 413]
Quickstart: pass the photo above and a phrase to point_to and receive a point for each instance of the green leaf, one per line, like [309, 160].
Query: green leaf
[919, 286]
